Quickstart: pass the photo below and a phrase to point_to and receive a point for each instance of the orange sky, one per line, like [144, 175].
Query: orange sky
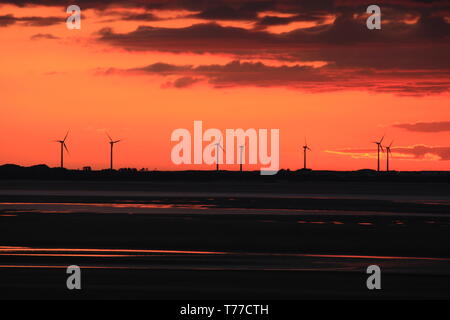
[49, 86]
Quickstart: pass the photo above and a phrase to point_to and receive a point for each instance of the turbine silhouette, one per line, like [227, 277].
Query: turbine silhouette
[63, 146]
[218, 146]
[241, 158]
[388, 152]
[112, 143]
[379, 147]
[305, 150]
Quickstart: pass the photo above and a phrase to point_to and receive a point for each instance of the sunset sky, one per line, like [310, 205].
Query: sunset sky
[141, 69]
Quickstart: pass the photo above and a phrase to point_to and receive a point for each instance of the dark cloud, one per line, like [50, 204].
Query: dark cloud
[421, 151]
[306, 78]
[409, 56]
[163, 68]
[250, 10]
[140, 17]
[43, 36]
[208, 37]
[211, 37]
[401, 60]
[276, 21]
[183, 82]
[238, 73]
[130, 16]
[413, 89]
[245, 5]
[411, 152]
[425, 126]
[376, 58]
[41, 21]
[58, 3]
[345, 43]
[259, 74]
[9, 19]
[220, 11]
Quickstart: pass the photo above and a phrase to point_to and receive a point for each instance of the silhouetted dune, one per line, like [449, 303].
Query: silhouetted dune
[43, 172]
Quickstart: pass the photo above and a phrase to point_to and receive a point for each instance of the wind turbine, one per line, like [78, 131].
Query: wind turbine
[63, 146]
[112, 143]
[217, 153]
[305, 150]
[388, 152]
[380, 147]
[240, 159]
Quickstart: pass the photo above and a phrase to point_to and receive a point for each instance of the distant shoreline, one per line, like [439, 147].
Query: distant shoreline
[43, 172]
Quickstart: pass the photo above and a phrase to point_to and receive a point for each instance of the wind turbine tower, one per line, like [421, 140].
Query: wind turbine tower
[112, 143]
[241, 158]
[380, 147]
[63, 146]
[388, 152]
[305, 150]
[218, 146]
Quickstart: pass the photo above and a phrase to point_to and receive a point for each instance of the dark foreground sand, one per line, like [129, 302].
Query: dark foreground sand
[188, 243]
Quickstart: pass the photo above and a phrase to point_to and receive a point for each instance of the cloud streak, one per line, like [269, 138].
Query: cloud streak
[9, 19]
[403, 59]
[301, 77]
[408, 57]
[416, 152]
[46, 36]
[439, 126]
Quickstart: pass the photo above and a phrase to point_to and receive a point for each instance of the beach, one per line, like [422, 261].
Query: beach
[172, 241]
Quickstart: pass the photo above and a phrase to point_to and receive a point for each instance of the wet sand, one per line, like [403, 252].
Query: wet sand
[176, 245]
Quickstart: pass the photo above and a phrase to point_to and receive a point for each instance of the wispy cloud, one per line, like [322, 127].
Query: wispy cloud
[416, 152]
[47, 36]
[439, 126]
[9, 19]
[300, 77]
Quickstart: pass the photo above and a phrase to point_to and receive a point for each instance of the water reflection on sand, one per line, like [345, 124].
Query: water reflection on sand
[11, 208]
[153, 259]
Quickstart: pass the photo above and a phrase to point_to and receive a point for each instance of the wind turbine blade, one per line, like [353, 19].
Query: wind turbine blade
[109, 137]
[382, 139]
[65, 147]
[391, 143]
[117, 141]
[67, 134]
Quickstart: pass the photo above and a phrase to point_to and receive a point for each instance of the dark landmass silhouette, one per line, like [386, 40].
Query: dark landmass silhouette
[297, 234]
[43, 172]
